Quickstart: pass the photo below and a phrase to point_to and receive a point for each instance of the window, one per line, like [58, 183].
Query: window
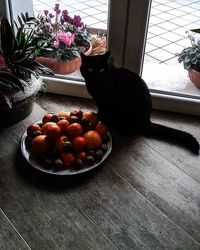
[128, 21]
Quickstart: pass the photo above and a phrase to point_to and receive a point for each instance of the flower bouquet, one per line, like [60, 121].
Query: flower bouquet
[60, 38]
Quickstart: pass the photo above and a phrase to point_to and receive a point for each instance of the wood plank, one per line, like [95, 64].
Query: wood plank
[171, 190]
[179, 156]
[39, 207]
[67, 103]
[9, 237]
[127, 217]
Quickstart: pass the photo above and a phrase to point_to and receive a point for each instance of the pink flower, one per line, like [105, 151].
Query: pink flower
[56, 44]
[66, 37]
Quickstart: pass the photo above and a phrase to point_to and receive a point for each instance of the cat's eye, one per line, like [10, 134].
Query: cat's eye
[90, 70]
[101, 70]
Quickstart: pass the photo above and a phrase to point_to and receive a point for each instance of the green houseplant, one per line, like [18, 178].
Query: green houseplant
[19, 73]
[60, 39]
[190, 57]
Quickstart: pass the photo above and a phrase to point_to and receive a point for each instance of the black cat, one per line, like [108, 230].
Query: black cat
[124, 102]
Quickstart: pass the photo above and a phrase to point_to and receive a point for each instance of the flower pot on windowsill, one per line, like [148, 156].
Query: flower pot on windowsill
[194, 77]
[62, 68]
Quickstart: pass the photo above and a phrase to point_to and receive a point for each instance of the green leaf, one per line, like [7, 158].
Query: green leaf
[11, 81]
[5, 84]
[7, 38]
[8, 100]
[20, 21]
[196, 30]
[23, 17]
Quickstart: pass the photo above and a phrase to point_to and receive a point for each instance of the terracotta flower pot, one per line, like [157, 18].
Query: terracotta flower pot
[63, 68]
[58, 67]
[194, 77]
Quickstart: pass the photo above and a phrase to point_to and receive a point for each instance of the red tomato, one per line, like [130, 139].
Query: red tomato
[101, 128]
[32, 129]
[40, 144]
[93, 139]
[51, 129]
[74, 130]
[78, 143]
[81, 155]
[63, 124]
[67, 159]
[59, 142]
[47, 118]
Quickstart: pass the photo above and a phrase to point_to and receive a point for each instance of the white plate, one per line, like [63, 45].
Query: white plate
[34, 163]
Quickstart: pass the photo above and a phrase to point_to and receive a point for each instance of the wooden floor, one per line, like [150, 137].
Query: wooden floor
[146, 195]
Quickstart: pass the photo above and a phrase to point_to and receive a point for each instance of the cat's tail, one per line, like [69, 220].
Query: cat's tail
[173, 135]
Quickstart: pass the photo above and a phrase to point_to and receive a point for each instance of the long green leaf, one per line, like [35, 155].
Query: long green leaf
[23, 17]
[8, 100]
[7, 38]
[11, 80]
[9, 85]
[196, 30]
[5, 84]
[20, 21]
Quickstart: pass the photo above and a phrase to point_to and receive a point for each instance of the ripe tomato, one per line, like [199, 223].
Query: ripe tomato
[92, 139]
[67, 159]
[63, 124]
[74, 130]
[77, 112]
[81, 155]
[47, 118]
[33, 128]
[51, 129]
[101, 128]
[78, 143]
[40, 144]
[91, 117]
[58, 144]
[64, 114]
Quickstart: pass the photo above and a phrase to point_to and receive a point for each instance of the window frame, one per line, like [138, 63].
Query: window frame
[128, 24]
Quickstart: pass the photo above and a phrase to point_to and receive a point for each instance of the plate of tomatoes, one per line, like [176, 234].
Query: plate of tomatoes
[66, 143]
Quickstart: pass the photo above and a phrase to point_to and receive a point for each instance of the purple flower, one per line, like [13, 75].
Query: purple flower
[46, 12]
[51, 15]
[77, 21]
[64, 13]
[56, 8]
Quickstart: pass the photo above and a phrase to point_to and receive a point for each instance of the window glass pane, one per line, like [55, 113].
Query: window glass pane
[169, 21]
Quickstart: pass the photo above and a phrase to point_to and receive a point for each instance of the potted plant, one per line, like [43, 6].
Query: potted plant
[60, 39]
[190, 57]
[19, 73]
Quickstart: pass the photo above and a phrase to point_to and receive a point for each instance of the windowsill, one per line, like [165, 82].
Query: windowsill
[171, 79]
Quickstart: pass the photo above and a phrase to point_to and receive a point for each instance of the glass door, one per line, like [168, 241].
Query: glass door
[127, 24]
[167, 36]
